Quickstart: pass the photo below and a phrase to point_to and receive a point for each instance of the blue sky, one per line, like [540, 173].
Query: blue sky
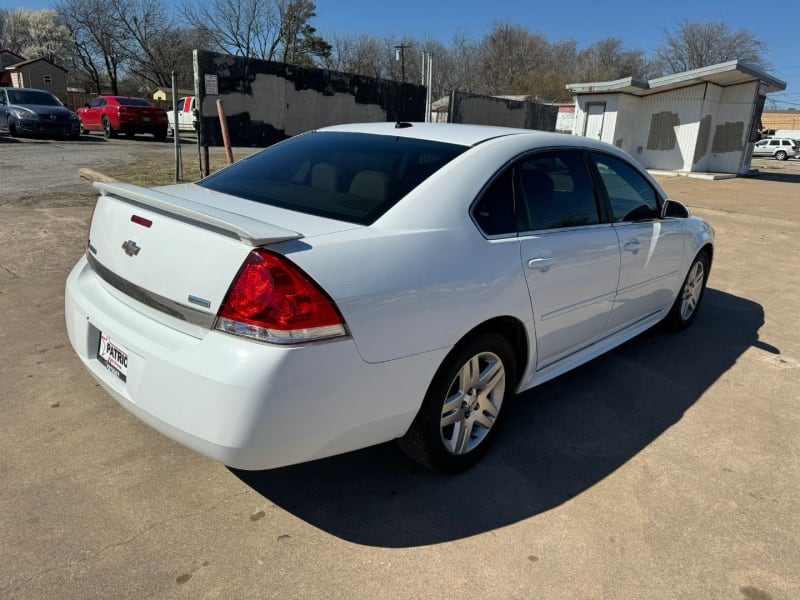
[640, 24]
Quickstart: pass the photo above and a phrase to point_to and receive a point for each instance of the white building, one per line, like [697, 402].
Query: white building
[702, 120]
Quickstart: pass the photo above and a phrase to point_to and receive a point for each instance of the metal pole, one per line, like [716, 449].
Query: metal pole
[175, 135]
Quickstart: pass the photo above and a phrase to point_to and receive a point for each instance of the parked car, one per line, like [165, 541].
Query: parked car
[123, 114]
[27, 111]
[362, 283]
[187, 116]
[780, 148]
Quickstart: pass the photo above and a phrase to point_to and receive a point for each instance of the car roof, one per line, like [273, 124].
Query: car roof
[461, 134]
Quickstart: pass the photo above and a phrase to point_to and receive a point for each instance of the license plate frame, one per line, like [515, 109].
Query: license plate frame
[113, 356]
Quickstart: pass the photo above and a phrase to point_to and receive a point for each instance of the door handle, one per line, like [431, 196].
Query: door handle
[543, 263]
[632, 246]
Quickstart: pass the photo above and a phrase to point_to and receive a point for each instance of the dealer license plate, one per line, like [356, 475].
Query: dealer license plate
[113, 357]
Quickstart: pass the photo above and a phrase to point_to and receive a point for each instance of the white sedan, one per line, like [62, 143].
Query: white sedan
[364, 283]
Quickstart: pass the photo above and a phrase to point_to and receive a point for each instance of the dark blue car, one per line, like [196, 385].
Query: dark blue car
[30, 112]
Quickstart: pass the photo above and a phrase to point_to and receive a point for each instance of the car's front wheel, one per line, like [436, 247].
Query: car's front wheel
[108, 130]
[463, 407]
[781, 155]
[686, 305]
[12, 128]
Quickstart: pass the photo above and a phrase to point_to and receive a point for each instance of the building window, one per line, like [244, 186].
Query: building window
[48, 79]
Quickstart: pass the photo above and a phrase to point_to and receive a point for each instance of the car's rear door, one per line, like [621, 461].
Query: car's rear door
[570, 256]
[651, 248]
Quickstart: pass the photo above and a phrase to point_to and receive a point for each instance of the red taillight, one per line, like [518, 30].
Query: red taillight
[271, 299]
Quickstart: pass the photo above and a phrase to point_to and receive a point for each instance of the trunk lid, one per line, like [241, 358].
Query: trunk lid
[173, 257]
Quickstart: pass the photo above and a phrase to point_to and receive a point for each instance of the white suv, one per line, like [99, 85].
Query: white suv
[780, 148]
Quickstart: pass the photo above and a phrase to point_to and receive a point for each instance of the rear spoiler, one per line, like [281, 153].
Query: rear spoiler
[250, 231]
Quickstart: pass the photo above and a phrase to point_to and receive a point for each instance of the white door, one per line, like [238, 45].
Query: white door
[594, 121]
[650, 248]
[570, 259]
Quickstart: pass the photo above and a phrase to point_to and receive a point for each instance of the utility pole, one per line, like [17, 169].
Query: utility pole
[401, 56]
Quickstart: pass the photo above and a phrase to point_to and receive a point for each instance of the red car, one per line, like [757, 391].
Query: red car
[115, 114]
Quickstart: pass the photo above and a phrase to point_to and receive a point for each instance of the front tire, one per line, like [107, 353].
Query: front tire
[686, 305]
[12, 128]
[464, 406]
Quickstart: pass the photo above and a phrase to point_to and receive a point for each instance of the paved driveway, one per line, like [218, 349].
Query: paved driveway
[666, 469]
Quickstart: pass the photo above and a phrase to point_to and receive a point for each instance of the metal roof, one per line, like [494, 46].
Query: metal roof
[723, 74]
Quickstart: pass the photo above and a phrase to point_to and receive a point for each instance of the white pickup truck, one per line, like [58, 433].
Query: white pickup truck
[187, 119]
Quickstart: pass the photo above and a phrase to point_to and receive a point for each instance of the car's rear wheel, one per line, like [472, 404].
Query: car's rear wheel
[464, 405]
[108, 130]
[781, 155]
[686, 305]
[160, 135]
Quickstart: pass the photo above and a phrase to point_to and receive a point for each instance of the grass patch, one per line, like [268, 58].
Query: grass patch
[159, 169]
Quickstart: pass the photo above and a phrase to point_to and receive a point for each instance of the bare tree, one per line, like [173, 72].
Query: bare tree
[97, 48]
[153, 45]
[692, 45]
[265, 29]
[508, 54]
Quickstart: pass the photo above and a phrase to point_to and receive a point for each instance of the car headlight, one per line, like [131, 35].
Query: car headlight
[22, 113]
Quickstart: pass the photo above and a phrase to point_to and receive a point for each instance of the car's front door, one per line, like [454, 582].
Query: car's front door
[651, 248]
[571, 258]
[92, 115]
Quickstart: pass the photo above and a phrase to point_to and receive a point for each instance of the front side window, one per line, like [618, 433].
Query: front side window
[353, 177]
[631, 196]
[557, 191]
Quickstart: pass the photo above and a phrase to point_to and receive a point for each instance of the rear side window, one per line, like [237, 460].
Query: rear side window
[352, 177]
[557, 191]
[133, 102]
[631, 197]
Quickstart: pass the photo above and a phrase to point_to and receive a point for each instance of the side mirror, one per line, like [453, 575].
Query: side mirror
[86, 105]
[673, 209]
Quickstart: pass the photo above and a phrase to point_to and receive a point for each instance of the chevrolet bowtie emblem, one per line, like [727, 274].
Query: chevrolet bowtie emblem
[130, 247]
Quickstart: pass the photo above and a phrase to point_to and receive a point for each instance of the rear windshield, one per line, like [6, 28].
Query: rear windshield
[133, 102]
[33, 97]
[352, 177]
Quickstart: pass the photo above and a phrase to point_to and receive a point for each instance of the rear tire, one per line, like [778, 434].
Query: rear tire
[108, 130]
[781, 155]
[686, 305]
[464, 406]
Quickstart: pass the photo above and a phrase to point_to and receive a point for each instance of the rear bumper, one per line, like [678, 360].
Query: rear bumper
[245, 404]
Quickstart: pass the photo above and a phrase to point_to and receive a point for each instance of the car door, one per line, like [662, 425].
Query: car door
[570, 256]
[3, 111]
[651, 249]
[761, 148]
[92, 115]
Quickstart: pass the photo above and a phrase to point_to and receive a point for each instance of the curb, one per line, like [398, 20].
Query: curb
[93, 175]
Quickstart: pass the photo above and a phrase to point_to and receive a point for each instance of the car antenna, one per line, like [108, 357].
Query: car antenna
[402, 125]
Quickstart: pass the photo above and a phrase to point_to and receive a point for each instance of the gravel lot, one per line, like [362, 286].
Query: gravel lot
[666, 469]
